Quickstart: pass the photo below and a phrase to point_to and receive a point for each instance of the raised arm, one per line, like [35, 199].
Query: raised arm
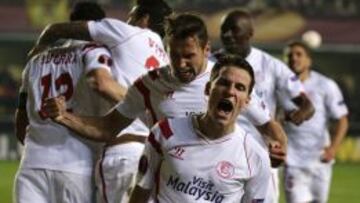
[53, 32]
[103, 83]
[101, 129]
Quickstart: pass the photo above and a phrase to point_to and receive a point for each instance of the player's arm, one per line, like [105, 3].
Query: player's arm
[338, 110]
[53, 32]
[98, 65]
[272, 130]
[101, 129]
[304, 111]
[277, 141]
[340, 128]
[258, 114]
[103, 83]
[21, 119]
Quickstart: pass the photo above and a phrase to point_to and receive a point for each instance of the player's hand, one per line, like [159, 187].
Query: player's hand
[328, 155]
[55, 108]
[297, 117]
[277, 154]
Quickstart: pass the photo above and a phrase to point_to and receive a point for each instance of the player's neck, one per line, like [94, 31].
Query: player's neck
[210, 129]
[304, 75]
[204, 66]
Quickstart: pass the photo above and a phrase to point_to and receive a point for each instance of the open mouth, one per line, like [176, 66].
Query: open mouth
[185, 74]
[225, 105]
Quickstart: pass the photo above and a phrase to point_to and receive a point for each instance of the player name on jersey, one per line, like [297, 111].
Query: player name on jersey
[59, 58]
[197, 187]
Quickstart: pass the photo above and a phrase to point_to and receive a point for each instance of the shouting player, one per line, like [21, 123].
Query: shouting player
[207, 157]
[271, 76]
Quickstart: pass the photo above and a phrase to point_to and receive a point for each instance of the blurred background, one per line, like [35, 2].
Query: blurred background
[334, 26]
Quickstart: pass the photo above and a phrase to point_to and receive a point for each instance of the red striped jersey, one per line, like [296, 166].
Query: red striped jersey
[160, 95]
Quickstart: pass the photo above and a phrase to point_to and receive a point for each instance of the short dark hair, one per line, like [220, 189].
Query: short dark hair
[86, 10]
[158, 11]
[300, 44]
[186, 25]
[236, 61]
[232, 17]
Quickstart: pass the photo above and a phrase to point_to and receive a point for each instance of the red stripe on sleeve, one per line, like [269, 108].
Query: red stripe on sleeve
[154, 143]
[165, 128]
[146, 95]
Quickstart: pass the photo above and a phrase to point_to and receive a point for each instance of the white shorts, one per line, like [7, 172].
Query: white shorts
[272, 194]
[44, 186]
[116, 172]
[307, 184]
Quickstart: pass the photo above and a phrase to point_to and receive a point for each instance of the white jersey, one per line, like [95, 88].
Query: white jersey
[306, 142]
[50, 74]
[162, 95]
[184, 166]
[135, 51]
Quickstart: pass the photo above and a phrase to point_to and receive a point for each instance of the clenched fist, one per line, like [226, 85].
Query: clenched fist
[55, 108]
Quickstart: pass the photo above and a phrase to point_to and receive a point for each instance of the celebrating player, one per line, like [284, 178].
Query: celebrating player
[271, 76]
[135, 49]
[56, 165]
[207, 157]
[311, 151]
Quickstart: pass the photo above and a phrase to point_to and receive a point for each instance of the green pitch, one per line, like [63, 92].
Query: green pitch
[344, 188]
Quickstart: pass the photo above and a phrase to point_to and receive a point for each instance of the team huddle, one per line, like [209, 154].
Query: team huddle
[144, 111]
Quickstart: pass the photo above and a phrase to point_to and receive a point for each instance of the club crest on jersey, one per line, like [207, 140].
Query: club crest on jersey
[225, 169]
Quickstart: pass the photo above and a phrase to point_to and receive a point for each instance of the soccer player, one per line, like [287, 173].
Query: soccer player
[136, 48]
[271, 76]
[311, 149]
[207, 157]
[171, 91]
[57, 165]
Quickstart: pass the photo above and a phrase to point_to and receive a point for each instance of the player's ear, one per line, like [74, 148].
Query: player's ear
[144, 21]
[207, 88]
[207, 49]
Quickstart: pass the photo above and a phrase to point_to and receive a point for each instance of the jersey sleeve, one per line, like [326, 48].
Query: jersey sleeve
[256, 187]
[110, 31]
[257, 112]
[286, 81]
[335, 101]
[96, 57]
[134, 103]
[149, 163]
